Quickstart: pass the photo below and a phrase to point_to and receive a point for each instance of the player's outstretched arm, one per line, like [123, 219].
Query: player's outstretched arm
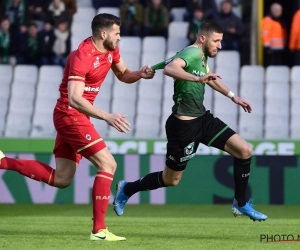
[128, 75]
[220, 87]
[75, 91]
[176, 70]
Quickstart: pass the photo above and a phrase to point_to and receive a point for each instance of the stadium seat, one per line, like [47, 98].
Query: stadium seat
[17, 125]
[250, 126]
[276, 127]
[84, 15]
[132, 44]
[228, 60]
[110, 10]
[176, 44]
[295, 128]
[279, 74]
[252, 73]
[154, 44]
[147, 126]
[178, 13]
[178, 29]
[295, 74]
[42, 125]
[229, 78]
[84, 3]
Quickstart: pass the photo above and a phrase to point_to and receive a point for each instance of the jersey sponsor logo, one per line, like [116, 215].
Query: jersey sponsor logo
[102, 197]
[198, 72]
[91, 89]
[88, 137]
[109, 58]
[97, 62]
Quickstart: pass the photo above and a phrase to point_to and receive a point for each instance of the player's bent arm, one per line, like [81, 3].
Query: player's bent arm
[75, 92]
[125, 74]
[176, 70]
[218, 86]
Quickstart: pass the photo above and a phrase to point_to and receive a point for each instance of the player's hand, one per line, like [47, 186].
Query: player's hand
[147, 72]
[208, 77]
[245, 105]
[119, 122]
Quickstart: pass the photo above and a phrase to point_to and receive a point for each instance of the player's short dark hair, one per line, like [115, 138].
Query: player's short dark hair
[208, 27]
[104, 21]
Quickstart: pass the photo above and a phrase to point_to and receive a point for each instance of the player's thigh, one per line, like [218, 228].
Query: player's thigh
[171, 177]
[104, 161]
[238, 147]
[64, 173]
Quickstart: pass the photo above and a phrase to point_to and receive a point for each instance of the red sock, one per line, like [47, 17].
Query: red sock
[33, 169]
[100, 194]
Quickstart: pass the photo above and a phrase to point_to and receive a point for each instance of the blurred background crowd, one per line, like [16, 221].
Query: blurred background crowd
[38, 32]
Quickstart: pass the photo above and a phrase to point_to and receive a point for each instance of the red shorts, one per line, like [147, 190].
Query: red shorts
[76, 136]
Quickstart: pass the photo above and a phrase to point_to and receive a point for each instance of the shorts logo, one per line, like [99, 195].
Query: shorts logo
[188, 152]
[189, 149]
[88, 137]
[110, 58]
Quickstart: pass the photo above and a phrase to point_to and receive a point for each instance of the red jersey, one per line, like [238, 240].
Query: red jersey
[86, 64]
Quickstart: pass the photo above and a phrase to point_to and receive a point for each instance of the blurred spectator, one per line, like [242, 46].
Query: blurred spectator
[209, 8]
[7, 47]
[131, 13]
[29, 46]
[37, 10]
[17, 13]
[156, 19]
[106, 3]
[232, 26]
[273, 36]
[294, 44]
[62, 44]
[195, 24]
[71, 7]
[56, 12]
[46, 42]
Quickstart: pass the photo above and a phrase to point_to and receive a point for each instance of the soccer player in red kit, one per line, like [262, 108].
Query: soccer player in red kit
[84, 74]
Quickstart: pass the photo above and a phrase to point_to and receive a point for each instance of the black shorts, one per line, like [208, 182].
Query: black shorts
[184, 137]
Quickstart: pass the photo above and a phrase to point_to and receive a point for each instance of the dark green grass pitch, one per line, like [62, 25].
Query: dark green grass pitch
[152, 227]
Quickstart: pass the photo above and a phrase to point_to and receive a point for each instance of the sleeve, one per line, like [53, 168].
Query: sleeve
[116, 55]
[78, 67]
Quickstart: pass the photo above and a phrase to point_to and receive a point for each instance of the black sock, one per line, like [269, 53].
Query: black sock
[149, 182]
[241, 172]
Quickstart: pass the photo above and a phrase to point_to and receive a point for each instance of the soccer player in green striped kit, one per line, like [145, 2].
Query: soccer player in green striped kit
[190, 124]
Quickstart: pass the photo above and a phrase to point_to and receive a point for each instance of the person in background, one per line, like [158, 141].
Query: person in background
[273, 36]
[28, 52]
[46, 42]
[195, 24]
[56, 12]
[209, 8]
[131, 14]
[294, 44]
[156, 19]
[232, 26]
[106, 3]
[62, 43]
[7, 47]
[18, 15]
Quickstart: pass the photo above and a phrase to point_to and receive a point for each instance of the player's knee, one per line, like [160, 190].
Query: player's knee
[246, 151]
[172, 181]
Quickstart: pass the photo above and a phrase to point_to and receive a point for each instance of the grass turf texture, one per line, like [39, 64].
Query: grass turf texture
[165, 227]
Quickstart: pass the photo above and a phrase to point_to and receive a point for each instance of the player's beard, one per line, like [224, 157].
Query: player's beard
[206, 50]
[109, 44]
